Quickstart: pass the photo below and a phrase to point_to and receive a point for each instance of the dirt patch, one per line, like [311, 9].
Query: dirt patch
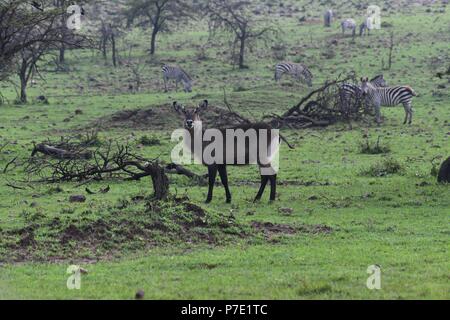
[161, 117]
[269, 228]
[116, 230]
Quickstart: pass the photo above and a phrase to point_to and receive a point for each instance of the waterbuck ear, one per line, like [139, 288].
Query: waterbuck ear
[202, 106]
[362, 79]
[178, 107]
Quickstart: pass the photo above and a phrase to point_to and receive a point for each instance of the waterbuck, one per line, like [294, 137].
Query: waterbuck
[244, 144]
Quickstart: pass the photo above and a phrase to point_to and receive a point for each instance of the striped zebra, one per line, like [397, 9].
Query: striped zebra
[350, 92]
[348, 24]
[296, 70]
[179, 75]
[365, 27]
[388, 96]
[328, 18]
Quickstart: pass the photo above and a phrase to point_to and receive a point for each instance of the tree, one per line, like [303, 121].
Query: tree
[157, 14]
[27, 64]
[236, 17]
[23, 26]
[108, 24]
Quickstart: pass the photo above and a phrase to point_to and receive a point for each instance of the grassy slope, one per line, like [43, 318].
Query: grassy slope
[388, 221]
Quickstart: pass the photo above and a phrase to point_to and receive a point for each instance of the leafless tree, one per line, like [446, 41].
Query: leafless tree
[158, 14]
[236, 17]
[23, 26]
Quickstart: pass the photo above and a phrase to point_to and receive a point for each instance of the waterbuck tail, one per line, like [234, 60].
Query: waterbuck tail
[287, 142]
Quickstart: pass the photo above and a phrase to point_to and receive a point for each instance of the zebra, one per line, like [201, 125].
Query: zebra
[351, 92]
[389, 96]
[179, 75]
[328, 17]
[296, 70]
[365, 27]
[349, 24]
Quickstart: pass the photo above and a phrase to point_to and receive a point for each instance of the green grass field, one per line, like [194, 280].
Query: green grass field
[336, 215]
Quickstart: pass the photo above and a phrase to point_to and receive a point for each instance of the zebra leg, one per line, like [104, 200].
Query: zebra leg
[408, 113]
[378, 113]
[165, 84]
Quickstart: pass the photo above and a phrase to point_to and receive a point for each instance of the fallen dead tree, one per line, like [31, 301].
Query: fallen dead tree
[60, 153]
[110, 161]
[54, 164]
[321, 107]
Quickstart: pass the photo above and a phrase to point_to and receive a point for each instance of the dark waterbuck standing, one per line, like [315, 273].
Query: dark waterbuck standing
[349, 24]
[179, 75]
[297, 70]
[328, 18]
[250, 150]
[388, 96]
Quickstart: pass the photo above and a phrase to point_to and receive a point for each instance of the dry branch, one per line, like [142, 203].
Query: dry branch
[60, 153]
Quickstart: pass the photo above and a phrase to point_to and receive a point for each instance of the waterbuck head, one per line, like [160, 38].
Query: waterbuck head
[365, 85]
[191, 116]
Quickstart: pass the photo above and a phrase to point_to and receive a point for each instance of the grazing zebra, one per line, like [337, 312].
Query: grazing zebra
[296, 70]
[349, 24]
[179, 75]
[389, 96]
[328, 17]
[365, 27]
[352, 92]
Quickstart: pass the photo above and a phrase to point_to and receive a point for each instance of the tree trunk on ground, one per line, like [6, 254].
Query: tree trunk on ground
[160, 182]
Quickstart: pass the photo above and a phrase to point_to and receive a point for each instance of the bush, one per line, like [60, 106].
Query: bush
[149, 141]
[365, 147]
[383, 168]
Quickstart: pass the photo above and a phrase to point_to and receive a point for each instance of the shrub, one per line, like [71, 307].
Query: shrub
[383, 168]
[149, 141]
[365, 147]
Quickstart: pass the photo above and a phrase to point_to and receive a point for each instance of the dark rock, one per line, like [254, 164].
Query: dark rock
[139, 295]
[77, 198]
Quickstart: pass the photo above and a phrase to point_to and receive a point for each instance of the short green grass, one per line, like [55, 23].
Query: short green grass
[398, 220]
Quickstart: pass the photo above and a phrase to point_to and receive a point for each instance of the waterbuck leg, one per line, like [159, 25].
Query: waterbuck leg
[224, 178]
[212, 173]
[264, 180]
[273, 187]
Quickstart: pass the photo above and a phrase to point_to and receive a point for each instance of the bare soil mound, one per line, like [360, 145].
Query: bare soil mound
[161, 117]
